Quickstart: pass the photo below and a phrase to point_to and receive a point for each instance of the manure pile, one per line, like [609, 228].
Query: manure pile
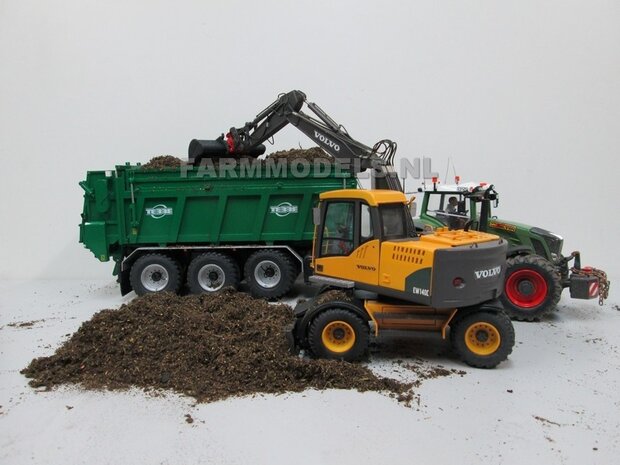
[161, 162]
[209, 347]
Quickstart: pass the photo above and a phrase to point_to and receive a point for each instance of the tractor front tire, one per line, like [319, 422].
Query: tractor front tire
[532, 287]
[482, 339]
[155, 272]
[338, 334]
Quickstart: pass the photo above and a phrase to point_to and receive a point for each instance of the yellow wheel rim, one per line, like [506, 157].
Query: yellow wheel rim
[338, 336]
[482, 338]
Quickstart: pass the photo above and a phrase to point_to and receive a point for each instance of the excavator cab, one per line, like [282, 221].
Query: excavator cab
[350, 230]
[386, 277]
[364, 240]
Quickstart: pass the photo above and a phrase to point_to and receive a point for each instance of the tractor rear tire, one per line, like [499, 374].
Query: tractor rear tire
[532, 287]
[482, 339]
[155, 272]
[270, 273]
[338, 334]
[212, 272]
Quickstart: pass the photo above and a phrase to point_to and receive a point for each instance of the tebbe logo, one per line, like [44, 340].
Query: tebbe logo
[283, 209]
[158, 211]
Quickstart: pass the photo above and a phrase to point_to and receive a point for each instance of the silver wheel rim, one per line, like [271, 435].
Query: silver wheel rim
[267, 274]
[211, 277]
[154, 277]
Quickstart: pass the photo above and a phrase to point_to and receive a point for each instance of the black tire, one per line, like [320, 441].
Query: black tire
[338, 334]
[270, 273]
[482, 339]
[212, 272]
[155, 272]
[532, 287]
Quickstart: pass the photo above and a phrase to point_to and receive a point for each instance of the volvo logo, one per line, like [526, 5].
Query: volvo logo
[366, 267]
[488, 273]
[326, 141]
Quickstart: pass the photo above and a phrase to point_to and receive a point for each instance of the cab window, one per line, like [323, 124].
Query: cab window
[393, 221]
[450, 209]
[366, 230]
[337, 234]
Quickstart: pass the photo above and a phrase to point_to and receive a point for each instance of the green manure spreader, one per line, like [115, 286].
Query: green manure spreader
[209, 230]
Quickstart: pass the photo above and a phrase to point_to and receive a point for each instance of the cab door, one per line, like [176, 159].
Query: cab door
[347, 245]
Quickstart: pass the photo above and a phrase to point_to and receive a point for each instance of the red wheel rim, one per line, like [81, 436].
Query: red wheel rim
[526, 288]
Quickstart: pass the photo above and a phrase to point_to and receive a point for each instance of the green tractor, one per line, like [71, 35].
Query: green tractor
[536, 272]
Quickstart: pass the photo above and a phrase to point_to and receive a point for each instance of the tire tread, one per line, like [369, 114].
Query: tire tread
[174, 271]
[507, 335]
[287, 268]
[229, 266]
[554, 283]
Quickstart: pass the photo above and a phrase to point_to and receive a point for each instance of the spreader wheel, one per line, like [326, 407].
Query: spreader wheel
[212, 272]
[270, 273]
[155, 273]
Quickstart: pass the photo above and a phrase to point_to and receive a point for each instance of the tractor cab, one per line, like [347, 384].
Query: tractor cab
[474, 210]
[452, 206]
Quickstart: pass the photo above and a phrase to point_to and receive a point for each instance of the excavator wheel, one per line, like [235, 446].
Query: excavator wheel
[532, 287]
[338, 334]
[482, 339]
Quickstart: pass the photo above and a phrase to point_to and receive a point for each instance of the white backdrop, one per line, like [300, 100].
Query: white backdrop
[523, 94]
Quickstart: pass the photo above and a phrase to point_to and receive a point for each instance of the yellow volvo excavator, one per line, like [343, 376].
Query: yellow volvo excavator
[365, 245]
[390, 278]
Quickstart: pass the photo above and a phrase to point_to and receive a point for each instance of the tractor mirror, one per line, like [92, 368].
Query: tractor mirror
[413, 208]
[316, 216]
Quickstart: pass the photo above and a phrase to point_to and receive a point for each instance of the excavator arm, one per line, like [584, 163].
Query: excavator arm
[322, 129]
[266, 124]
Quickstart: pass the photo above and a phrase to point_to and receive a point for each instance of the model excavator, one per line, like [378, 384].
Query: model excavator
[387, 279]
[373, 270]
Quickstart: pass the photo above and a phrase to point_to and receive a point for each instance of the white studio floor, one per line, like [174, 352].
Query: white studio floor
[557, 400]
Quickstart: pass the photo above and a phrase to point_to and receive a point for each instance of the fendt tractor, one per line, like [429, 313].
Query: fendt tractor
[212, 230]
[536, 270]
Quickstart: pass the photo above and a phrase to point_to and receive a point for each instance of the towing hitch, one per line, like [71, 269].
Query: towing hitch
[587, 282]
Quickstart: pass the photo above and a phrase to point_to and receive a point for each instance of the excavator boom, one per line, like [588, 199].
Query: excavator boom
[322, 129]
